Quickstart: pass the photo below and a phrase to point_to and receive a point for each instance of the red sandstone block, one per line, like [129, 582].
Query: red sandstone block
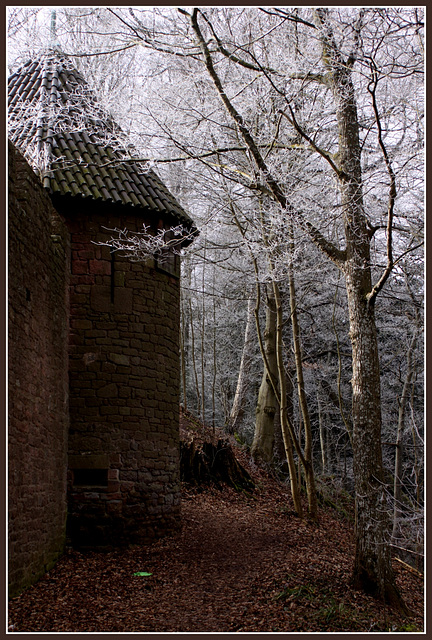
[79, 279]
[113, 488]
[127, 485]
[81, 324]
[78, 298]
[124, 392]
[82, 239]
[101, 267]
[82, 288]
[84, 255]
[114, 507]
[108, 367]
[80, 267]
[108, 411]
[115, 459]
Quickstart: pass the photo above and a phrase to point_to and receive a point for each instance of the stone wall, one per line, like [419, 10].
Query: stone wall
[38, 377]
[93, 382]
[124, 387]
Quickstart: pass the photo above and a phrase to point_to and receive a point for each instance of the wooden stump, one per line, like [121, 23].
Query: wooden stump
[211, 463]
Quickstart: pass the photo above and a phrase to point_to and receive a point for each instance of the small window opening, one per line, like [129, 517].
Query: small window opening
[90, 477]
[28, 295]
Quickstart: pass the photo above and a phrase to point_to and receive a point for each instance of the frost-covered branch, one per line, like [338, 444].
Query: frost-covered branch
[142, 245]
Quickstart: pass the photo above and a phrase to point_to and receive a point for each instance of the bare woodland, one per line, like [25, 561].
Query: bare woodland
[294, 137]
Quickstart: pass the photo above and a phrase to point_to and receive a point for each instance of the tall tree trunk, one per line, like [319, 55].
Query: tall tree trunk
[273, 386]
[279, 453]
[307, 462]
[372, 566]
[203, 330]
[286, 426]
[215, 360]
[267, 403]
[397, 510]
[322, 433]
[237, 410]
[183, 359]
[193, 357]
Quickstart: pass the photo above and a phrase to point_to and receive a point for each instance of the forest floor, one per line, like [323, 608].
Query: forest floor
[242, 562]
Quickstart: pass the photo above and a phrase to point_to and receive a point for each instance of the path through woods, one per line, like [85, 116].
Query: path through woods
[242, 562]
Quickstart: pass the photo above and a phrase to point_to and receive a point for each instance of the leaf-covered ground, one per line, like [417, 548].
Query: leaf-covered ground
[242, 562]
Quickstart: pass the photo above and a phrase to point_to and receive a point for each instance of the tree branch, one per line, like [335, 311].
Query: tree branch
[280, 13]
[231, 56]
[293, 121]
[144, 38]
[392, 191]
[327, 247]
[103, 53]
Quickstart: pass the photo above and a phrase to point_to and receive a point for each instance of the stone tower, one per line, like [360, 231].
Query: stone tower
[123, 448]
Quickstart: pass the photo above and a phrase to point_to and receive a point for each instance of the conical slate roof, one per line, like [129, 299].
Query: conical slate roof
[75, 146]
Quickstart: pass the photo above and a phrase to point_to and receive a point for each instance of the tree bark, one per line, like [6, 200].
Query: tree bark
[323, 434]
[397, 491]
[267, 403]
[279, 453]
[307, 462]
[372, 566]
[237, 411]
[286, 426]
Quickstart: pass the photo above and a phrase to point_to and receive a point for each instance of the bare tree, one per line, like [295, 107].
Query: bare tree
[342, 95]
[372, 568]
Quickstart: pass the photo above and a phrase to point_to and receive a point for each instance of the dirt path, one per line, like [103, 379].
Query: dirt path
[222, 559]
[239, 564]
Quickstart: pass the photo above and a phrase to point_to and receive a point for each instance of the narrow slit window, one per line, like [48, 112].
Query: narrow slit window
[112, 275]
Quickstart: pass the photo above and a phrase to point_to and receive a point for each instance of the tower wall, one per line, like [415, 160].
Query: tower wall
[123, 479]
[38, 277]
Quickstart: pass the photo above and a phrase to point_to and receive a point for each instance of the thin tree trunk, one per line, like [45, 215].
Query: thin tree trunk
[237, 410]
[308, 462]
[267, 403]
[322, 434]
[372, 568]
[215, 369]
[397, 510]
[287, 429]
[203, 393]
[183, 358]
[194, 369]
[279, 453]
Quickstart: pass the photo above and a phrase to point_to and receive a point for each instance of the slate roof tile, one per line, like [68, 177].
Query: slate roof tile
[66, 142]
